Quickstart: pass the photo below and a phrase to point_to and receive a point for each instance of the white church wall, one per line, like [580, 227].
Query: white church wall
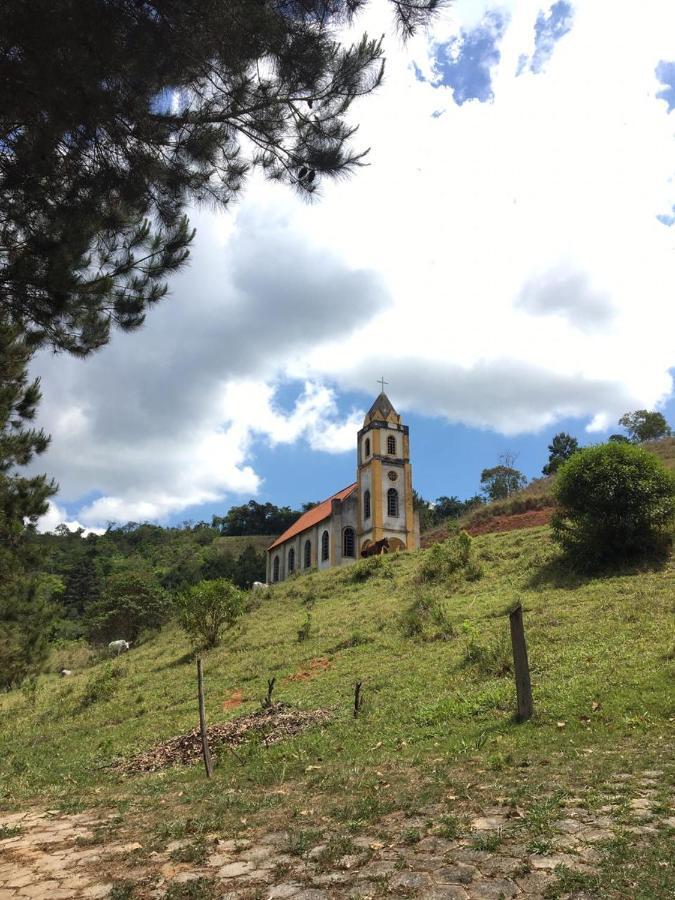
[349, 518]
[326, 525]
[393, 523]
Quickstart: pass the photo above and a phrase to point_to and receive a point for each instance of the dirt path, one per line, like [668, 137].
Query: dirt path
[47, 854]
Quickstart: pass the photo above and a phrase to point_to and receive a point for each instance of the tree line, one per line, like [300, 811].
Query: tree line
[503, 480]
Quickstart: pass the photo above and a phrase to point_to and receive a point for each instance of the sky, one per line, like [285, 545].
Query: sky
[506, 261]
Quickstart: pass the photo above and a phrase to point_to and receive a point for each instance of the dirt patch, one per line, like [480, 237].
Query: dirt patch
[273, 724]
[315, 667]
[530, 519]
[235, 699]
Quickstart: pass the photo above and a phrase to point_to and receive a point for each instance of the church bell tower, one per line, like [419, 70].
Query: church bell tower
[384, 477]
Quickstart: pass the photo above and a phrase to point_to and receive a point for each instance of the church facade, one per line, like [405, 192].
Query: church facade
[378, 505]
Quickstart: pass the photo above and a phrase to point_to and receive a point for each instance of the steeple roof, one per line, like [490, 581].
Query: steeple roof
[382, 409]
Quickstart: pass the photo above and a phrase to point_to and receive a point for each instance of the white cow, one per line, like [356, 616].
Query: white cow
[118, 647]
[65, 673]
[259, 586]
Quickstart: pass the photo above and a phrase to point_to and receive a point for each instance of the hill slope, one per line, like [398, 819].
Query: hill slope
[531, 506]
[434, 659]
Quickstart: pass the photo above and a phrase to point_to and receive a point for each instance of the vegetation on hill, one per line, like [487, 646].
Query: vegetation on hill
[615, 503]
[438, 697]
[89, 576]
[538, 494]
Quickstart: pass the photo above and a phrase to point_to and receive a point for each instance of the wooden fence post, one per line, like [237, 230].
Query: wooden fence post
[202, 720]
[520, 664]
[357, 698]
[270, 687]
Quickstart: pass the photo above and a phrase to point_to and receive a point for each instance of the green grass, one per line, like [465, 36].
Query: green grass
[236, 545]
[437, 713]
[646, 875]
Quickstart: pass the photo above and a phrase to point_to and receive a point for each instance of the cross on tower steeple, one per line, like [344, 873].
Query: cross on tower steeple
[382, 382]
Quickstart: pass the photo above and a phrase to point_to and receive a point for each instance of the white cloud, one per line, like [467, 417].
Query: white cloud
[56, 516]
[501, 263]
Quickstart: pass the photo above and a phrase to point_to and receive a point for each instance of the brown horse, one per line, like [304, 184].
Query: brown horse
[376, 549]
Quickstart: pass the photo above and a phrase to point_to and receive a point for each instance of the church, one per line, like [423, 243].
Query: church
[378, 505]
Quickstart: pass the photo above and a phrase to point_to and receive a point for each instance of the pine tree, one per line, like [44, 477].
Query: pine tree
[561, 448]
[114, 115]
[25, 612]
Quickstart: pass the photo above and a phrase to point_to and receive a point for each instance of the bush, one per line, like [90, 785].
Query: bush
[103, 685]
[616, 503]
[305, 629]
[454, 556]
[206, 610]
[131, 601]
[369, 567]
[426, 618]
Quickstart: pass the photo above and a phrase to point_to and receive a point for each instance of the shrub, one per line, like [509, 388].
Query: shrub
[368, 568]
[454, 556]
[206, 610]
[616, 503]
[426, 618]
[102, 685]
[131, 601]
[305, 629]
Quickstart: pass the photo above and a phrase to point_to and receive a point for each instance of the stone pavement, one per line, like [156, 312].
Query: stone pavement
[47, 855]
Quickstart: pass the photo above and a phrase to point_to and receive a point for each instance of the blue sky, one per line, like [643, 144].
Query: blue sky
[447, 459]
[506, 260]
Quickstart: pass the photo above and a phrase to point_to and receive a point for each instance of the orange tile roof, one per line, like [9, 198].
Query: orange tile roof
[313, 516]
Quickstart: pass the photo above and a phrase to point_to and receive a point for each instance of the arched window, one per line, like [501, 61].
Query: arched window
[275, 569]
[367, 447]
[391, 444]
[291, 560]
[307, 562]
[366, 504]
[348, 542]
[324, 546]
[392, 503]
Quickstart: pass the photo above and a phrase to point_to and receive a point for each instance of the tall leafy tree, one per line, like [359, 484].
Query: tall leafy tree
[115, 114]
[561, 448]
[82, 586]
[256, 518]
[131, 601]
[501, 481]
[250, 567]
[645, 425]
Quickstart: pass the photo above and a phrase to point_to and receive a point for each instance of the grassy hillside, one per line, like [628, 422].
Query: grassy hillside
[438, 704]
[538, 495]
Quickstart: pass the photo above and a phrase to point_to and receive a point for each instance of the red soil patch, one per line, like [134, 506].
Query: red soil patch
[235, 699]
[316, 667]
[530, 519]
